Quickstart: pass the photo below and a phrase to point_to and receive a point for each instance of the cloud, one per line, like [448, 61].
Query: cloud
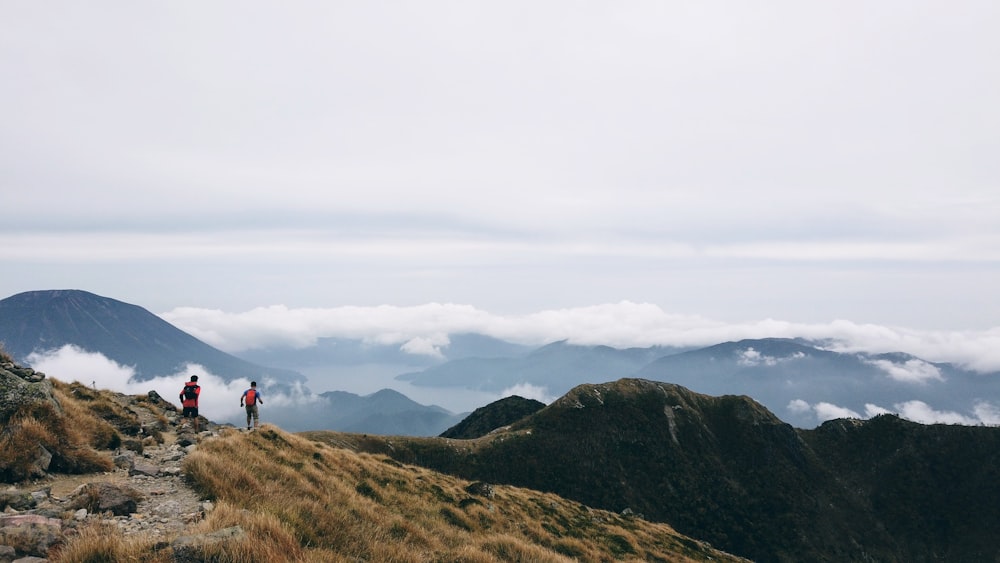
[828, 411]
[424, 329]
[219, 400]
[910, 371]
[751, 357]
[919, 411]
[529, 391]
[984, 413]
[799, 407]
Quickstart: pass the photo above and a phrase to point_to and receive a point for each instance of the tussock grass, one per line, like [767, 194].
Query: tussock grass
[102, 542]
[42, 426]
[297, 499]
[344, 506]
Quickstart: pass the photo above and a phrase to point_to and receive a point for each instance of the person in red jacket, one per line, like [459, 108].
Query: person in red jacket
[189, 400]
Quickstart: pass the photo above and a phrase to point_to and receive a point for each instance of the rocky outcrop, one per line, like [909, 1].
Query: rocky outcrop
[21, 388]
[29, 534]
[191, 549]
[144, 493]
[153, 501]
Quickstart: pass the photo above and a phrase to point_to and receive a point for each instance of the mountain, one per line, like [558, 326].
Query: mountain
[40, 321]
[792, 377]
[558, 367]
[777, 371]
[726, 470]
[495, 415]
[275, 496]
[385, 412]
[330, 351]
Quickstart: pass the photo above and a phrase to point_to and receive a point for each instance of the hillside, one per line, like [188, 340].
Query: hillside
[496, 415]
[727, 470]
[266, 496]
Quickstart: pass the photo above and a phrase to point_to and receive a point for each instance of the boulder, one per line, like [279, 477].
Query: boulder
[119, 500]
[19, 393]
[191, 548]
[17, 500]
[30, 534]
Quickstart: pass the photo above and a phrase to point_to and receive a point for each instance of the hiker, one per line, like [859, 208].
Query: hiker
[189, 400]
[251, 397]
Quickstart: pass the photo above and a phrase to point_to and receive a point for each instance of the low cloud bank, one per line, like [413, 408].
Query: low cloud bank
[219, 401]
[219, 398]
[425, 330]
[983, 412]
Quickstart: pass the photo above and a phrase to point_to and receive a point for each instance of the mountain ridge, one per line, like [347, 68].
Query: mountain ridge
[727, 470]
[40, 321]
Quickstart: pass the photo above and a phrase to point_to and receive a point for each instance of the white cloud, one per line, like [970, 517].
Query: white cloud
[984, 413]
[425, 329]
[828, 411]
[219, 400]
[529, 391]
[426, 346]
[910, 371]
[357, 156]
[919, 411]
[799, 407]
[751, 357]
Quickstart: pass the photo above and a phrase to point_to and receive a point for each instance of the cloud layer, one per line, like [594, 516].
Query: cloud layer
[425, 329]
[803, 161]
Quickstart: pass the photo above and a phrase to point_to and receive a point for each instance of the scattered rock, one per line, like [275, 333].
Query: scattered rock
[30, 534]
[144, 468]
[107, 497]
[481, 489]
[190, 549]
[17, 500]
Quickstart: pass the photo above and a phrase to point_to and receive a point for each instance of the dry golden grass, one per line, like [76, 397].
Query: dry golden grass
[102, 542]
[43, 426]
[300, 500]
[344, 506]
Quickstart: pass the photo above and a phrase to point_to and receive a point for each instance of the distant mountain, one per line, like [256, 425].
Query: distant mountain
[347, 352]
[726, 470]
[383, 412]
[39, 321]
[495, 415]
[558, 367]
[777, 371]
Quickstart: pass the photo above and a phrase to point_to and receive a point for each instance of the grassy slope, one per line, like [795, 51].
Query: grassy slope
[302, 500]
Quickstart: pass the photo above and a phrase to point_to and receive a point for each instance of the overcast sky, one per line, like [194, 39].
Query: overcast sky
[718, 164]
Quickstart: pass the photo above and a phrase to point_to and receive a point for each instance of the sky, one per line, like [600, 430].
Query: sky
[641, 172]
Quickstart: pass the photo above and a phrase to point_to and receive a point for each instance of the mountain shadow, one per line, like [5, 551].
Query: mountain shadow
[726, 470]
[40, 321]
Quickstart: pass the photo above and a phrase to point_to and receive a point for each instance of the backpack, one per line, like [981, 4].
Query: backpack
[190, 392]
[251, 396]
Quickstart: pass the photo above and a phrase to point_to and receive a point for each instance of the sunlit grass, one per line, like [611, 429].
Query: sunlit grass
[296, 499]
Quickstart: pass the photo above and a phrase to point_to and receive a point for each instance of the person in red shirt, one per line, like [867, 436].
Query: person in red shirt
[189, 400]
